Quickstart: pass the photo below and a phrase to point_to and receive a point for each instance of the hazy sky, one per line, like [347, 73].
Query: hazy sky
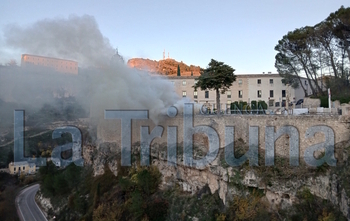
[240, 33]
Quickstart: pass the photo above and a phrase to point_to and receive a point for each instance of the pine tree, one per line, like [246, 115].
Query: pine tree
[218, 76]
[178, 70]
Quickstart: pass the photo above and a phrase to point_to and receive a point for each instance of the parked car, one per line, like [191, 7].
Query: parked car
[300, 101]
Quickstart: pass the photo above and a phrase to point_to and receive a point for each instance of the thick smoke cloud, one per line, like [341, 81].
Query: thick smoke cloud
[106, 84]
[75, 38]
[123, 88]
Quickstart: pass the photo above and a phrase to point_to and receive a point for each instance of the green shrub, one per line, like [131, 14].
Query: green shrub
[240, 107]
[324, 101]
[341, 98]
[262, 104]
[47, 187]
[104, 182]
[80, 204]
[60, 185]
[73, 175]
[246, 208]
[311, 207]
[157, 209]
[136, 205]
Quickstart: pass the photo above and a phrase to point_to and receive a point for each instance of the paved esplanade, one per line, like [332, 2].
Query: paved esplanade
[27, 208]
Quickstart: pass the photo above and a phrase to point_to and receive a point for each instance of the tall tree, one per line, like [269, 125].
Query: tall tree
[217, 76]
[296, 49]
[289, 70]
[289, 60]
[340, 23]
[323, 40]
[178, 70]
[308, 51]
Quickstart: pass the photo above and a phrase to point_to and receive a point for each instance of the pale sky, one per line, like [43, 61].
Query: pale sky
[242, 34]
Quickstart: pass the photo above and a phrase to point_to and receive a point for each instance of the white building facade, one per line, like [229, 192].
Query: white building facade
[246, 88]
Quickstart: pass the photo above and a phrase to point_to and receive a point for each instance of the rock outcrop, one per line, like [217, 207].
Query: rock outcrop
[44, 203]
[164, 67]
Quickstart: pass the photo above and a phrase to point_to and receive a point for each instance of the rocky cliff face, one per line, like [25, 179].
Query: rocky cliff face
[280, 192]
[44, 203]
[280, 183]
[164, 67]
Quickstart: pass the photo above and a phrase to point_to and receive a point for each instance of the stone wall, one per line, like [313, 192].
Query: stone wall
[110, 130]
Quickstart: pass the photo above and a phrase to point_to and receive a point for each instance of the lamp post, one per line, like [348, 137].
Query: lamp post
[287, 101]
[329, 99]
[307, 88]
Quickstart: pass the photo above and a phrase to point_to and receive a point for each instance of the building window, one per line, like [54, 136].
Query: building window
[259, 93]
[206, 94]
[195, 94]
[14, 169]
[184, 94]
[24, 168]
[271, 81]
[228, 94]
[283, 93]
[183, 83]
[271, 102]
[240, 94]
[239, 81]
[271, 93]
[259, 81]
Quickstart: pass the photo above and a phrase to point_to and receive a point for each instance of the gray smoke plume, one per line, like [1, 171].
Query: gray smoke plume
[105, 85]
[75, 38]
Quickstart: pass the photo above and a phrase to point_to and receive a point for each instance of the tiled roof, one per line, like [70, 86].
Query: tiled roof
[19, 163]
[22, 163]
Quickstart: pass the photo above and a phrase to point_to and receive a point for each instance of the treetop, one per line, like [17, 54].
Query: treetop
[216, 76]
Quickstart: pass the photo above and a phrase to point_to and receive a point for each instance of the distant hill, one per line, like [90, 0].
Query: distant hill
[164, 67]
